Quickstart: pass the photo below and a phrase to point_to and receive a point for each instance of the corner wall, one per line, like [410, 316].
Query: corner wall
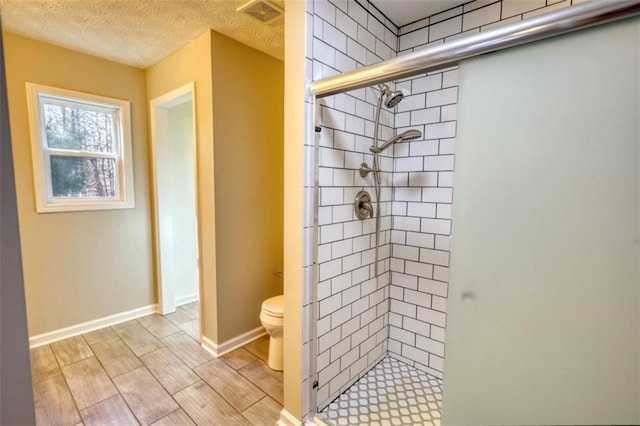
[248, 117]
[296, 127]
[239, 134]
[193, 63]
[79, 266]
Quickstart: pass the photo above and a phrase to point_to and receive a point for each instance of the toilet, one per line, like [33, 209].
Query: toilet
[272, 318]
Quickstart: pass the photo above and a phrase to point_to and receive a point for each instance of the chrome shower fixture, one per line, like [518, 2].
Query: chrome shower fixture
[406, 136]
[392, 97]
[365, 170]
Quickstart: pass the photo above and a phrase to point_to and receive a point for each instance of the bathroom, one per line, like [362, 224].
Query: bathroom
[513, 334]
[407, 306]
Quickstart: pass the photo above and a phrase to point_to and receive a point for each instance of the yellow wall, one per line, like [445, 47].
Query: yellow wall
[248, 112]
[79, 266]
[193, 63]
[239, 111]
[294, 136]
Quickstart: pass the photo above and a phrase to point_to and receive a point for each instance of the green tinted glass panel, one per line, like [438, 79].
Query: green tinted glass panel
[83, 177]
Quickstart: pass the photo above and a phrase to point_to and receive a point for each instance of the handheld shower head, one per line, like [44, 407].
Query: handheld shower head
[405, 136]
[410, 135]
[391, 97]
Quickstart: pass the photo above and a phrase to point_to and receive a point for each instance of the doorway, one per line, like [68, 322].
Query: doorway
[173, 162]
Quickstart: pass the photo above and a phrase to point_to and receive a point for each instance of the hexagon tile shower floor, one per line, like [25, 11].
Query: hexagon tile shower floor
[393, 393]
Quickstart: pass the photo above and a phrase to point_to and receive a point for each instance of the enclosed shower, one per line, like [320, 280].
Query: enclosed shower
[380, 297]
[393, 389]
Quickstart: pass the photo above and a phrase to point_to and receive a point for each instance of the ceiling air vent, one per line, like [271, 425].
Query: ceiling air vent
[262, 10]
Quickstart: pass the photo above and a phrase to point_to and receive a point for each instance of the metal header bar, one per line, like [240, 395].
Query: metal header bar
[584, 15]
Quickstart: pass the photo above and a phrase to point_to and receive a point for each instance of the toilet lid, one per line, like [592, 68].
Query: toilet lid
[274, 306]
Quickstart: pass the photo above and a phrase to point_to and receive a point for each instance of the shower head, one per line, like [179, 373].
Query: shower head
[405, 136]
[392, 97]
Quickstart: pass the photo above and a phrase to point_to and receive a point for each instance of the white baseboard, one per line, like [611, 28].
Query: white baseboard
[85, 327]
[187, 299]
[209, 345]
[287, 419]
[218, 350]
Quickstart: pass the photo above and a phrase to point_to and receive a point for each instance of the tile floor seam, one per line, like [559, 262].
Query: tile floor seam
[129, 407]
[124, 372]
[133, 412]
[200, 365]
[171, 394]
[75, 404]
[179, 409]
[109, 377]
[219, 394]
[73, 398]
[264, 397]
[54, 358]
[152, 375]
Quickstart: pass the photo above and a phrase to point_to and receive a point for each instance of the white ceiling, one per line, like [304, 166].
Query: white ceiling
[403, 12]
[138, 32]
[142, 32]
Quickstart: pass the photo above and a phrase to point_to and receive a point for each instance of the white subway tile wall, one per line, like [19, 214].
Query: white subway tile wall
[353, 304]
[418, 287]
[403, 312]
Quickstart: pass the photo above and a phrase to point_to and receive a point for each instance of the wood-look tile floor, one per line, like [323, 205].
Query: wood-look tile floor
[152, 371]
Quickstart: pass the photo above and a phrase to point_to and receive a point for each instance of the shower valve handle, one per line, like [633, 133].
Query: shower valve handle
[363, 206]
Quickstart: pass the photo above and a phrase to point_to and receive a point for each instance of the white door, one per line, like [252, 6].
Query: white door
[543, 313]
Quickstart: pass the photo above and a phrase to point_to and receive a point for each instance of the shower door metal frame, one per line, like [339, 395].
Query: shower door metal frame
[585, 15]
[315, 273]
[581, 16]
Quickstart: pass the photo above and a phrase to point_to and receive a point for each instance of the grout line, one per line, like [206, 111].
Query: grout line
[73, 398]
[222, 396]
[395, 32]
[112, 380]
[261, 399]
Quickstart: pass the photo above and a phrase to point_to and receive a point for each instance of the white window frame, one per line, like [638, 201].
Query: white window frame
[41, 153]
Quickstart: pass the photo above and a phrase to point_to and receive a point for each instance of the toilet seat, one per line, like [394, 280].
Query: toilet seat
[272, 319]
[274, 306]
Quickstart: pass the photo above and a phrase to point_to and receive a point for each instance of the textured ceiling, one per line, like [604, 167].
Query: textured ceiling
[138, 32]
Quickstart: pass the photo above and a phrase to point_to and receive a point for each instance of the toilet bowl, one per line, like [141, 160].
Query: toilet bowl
[272, 318]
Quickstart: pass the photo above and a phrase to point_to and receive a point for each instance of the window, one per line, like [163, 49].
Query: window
[81, 150]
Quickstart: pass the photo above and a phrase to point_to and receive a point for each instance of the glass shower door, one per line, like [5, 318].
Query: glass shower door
[544, 295]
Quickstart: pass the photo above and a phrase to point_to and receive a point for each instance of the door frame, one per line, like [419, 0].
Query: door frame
[159, 156]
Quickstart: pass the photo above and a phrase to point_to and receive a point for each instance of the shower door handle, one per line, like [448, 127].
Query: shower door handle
[363, 206]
